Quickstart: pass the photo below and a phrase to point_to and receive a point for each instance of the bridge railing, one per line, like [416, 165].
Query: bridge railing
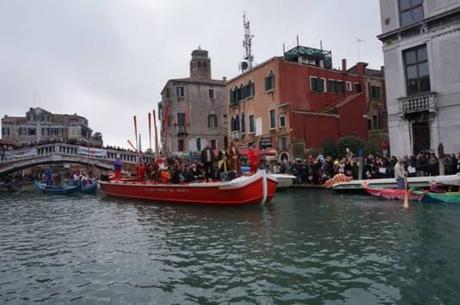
[38, 151]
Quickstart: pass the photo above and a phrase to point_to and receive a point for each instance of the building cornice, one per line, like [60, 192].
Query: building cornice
[384, 36]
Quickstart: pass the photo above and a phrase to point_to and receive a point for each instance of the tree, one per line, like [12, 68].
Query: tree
[353, 143]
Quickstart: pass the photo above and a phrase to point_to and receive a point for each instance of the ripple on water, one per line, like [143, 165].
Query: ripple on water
[305, 247]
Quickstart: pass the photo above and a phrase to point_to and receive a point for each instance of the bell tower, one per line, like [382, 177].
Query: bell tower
[200, 65]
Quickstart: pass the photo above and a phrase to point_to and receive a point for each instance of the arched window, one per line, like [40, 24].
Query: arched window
[198, 144]
[243, 123]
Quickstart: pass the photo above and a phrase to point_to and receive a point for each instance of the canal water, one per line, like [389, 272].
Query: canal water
[306, 247]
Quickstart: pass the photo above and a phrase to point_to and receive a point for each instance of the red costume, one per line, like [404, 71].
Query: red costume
[253, 156]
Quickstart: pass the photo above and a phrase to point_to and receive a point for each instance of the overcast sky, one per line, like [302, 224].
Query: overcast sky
[109, 59]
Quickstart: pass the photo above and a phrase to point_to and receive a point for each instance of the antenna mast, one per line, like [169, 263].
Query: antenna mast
[247, 42]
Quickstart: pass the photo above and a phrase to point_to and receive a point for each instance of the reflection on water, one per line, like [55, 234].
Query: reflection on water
[306, 247]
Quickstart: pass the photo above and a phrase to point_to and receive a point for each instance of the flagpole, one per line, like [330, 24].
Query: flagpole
[156, 133]
[135, 133]
[150, 131]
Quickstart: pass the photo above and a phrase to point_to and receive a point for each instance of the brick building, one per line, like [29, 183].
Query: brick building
[41, 125]
[297, 102]
[192, 111]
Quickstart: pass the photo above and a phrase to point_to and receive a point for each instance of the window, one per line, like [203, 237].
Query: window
[282, 121]
[167, 92]
[180, 145]
[410, 11]
[235, 124]
[339, 87]
[224, 120]
[270, 81]
[180, 119]
[335, 86]
[32, 131]
[251, 123]
[212, 120]
[375, 122]
[369, 124]
[198, 144]
[417, 71]
[243, 123]
[283, 143]
[213, 144]
[349, 88]
[179, 91]
[375, 93]
[316, 84]
[358, 87]
[5, 131]
[272, 119]
[324, 84]
[211, 93]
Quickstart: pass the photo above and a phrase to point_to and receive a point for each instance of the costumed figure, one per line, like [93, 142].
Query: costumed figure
[253, 156]
[234, 159]
[222, 164]
[117, 166]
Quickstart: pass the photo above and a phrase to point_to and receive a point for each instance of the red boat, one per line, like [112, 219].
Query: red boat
[245, 190]
[394, 193]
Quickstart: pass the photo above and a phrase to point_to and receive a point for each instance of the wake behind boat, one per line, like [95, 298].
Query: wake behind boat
[245, 190]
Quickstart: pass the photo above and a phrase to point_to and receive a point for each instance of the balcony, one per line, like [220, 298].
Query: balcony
[419, 103]
[181, 130]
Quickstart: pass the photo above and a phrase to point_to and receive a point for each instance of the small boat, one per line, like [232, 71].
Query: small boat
[52, 189]
[394, 193]
[245, 190]
[449, 197]
[89, 188]
[284, 181]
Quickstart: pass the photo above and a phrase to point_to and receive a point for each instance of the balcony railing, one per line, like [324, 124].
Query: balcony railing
[419, 103]
[181, 129]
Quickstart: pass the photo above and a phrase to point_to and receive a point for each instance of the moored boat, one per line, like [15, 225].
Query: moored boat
[52, 189]
[245, 190]
[394, 193]
[449, 197]
[284, 180]
[90, 188]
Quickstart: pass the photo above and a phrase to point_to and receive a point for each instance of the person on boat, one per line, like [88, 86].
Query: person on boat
[191, 173]
[117, 166]
[222, 164]
[48, 176]
[208, 158]
[140, 168]
[400, 174]
[234, 163]
[253, 156]
[177, 172]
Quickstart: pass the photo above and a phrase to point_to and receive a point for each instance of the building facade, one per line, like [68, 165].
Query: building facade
[374, 88]
[421, 46]
[39, 125]
[192, 110]
[297, 102]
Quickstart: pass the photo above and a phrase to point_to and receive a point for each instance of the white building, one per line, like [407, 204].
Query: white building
[421, 46]
[41, 125]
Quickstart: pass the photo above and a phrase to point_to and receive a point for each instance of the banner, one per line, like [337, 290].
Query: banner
[92, 152]
[21, 153]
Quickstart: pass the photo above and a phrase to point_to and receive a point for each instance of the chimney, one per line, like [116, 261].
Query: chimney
[224, 79]
[344, 65]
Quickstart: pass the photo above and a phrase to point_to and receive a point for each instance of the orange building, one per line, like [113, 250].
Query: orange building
[297, 102]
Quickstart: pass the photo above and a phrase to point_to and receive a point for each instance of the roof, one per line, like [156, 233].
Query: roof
[347, 100]
[14, 119]
[189, 80]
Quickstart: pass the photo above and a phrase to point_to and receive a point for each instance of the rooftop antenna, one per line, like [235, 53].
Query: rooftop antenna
[247, 44]
[358, 41]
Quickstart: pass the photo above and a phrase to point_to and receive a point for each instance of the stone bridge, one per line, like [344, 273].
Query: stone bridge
[59, 153]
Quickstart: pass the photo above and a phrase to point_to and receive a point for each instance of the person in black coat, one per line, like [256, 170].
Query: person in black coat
[207, 159]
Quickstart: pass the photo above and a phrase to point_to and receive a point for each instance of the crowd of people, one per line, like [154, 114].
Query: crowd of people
[223, 166]
[316, 170]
